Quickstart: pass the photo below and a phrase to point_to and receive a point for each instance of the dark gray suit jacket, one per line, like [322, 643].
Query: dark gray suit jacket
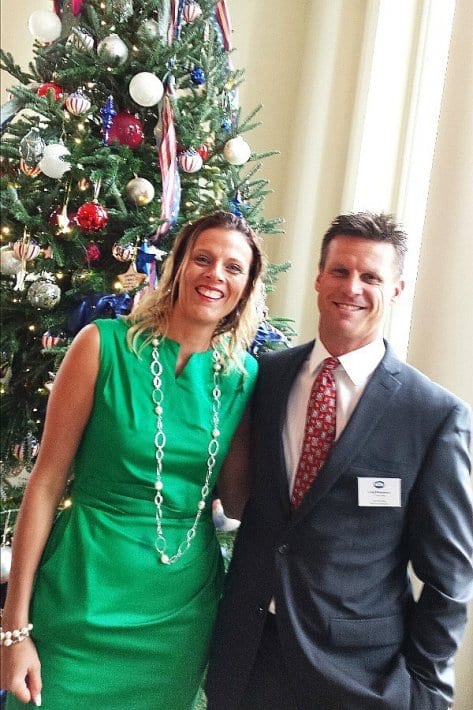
[352, 635]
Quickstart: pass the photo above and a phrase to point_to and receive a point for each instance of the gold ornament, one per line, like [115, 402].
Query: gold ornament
[131, 279]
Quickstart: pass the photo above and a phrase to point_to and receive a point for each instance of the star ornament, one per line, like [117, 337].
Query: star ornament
[131, 279]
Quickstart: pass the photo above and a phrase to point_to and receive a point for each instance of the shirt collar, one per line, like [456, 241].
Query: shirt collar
[358, 364]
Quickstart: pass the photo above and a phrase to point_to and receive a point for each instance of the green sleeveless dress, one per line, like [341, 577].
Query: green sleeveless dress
[114, 627]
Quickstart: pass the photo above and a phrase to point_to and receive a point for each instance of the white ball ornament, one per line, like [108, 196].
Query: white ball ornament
[146, 89]
[53, 163]
[140, 191]
[237, 151]
[113, 49]
[9, 264]
[5, 561]
[44, 25]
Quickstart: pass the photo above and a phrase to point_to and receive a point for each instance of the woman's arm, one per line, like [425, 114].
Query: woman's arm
[233, 485]
[69, 408]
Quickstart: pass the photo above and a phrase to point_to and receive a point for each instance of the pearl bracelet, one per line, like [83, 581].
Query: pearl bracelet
[8, 638]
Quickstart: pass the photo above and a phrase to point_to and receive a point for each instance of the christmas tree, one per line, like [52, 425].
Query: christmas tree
[126, 126]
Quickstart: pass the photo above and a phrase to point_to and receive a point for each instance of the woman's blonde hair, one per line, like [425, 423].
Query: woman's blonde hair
[234, 332]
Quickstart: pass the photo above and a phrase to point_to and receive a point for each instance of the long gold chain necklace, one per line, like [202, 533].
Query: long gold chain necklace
[160, 443]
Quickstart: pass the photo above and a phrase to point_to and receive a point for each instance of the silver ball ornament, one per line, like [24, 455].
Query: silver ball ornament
[113, 49]
[44, 294]
[150, 28]
[140, 191]
[32, 146]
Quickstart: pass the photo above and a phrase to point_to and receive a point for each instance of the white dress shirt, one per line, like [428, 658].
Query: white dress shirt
[351, 376]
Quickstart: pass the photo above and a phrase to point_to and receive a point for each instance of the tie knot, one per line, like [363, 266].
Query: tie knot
[330, 363]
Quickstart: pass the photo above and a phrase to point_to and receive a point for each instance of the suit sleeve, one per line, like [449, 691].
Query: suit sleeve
[441, 544]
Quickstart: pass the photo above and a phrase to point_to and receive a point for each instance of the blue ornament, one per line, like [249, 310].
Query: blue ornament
[235, 205]
[98, 306]
[107, 112]
[268, 338]
[198, 76]
[227, 124]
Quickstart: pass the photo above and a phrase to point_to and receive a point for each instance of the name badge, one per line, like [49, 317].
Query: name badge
[379, 492]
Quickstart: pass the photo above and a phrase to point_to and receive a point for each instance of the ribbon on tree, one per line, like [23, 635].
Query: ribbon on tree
[76, 7]
[58, 7]
[167, 156]
[174, 11]
[223, 18]
[223, 25]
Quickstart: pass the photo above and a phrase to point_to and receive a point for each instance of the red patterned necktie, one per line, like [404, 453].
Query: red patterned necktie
[319, 432]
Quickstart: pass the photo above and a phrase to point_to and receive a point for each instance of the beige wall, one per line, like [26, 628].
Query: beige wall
[302, 60]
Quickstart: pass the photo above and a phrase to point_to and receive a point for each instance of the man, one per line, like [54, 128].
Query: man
[318, 612]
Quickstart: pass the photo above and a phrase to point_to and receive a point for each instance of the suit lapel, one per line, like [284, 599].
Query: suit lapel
[381, 388]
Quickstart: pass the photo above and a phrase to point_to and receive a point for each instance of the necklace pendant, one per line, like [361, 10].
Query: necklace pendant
[164, 559]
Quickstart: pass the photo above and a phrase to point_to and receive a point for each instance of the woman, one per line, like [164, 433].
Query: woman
[122, 592]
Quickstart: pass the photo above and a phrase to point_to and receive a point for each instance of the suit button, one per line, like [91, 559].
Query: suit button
[260, 610]
[282, 549]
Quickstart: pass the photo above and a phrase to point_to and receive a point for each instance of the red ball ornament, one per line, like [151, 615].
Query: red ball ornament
[92, 217]
[126, 130]
[57, 90]
[92, 253]
[203, 151]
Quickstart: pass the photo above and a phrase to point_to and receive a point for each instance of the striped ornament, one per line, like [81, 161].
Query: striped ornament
[122, 253]
[78, 103]
[26, 450]
[26, 249]
[190, 161]
[191, 11]
[29, 170]
[80, 39]
[50, 341]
